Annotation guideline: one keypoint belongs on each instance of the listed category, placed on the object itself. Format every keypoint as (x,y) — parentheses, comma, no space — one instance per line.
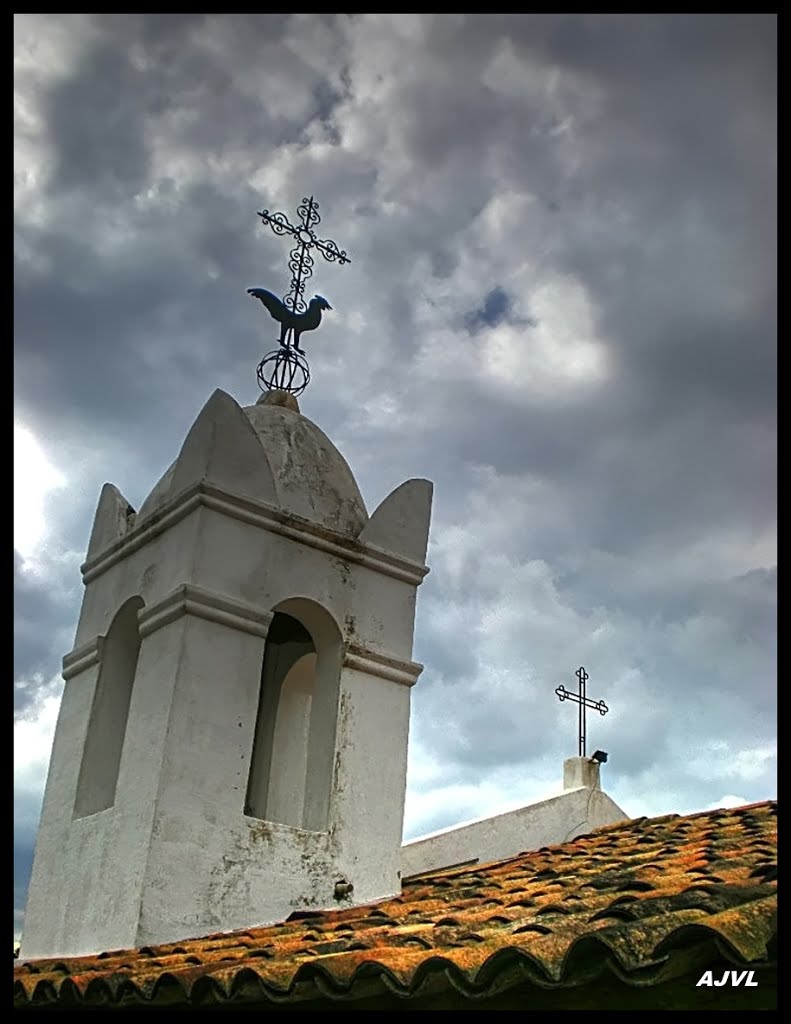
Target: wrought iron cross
(300,261)
(584,702)
(286,369)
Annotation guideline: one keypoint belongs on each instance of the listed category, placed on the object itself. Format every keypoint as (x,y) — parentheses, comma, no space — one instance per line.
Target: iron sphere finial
(284,369)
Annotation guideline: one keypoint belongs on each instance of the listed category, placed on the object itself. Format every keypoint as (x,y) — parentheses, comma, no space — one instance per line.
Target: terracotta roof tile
(629,898)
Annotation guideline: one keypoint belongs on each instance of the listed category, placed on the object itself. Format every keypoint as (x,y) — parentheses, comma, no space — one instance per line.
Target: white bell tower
(232,740)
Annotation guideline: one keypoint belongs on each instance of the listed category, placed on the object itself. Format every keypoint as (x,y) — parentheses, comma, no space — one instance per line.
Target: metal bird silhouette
(289,320)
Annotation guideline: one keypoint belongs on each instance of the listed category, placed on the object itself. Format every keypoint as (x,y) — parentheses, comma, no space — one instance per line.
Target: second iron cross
(584,702)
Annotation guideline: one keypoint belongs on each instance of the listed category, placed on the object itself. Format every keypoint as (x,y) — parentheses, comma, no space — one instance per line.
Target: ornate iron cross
(584,702)
(286,369)
(300,261)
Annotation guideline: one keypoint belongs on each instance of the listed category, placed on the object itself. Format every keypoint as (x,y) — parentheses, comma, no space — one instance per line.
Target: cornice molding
(385,666)
(188,599)
(256,513)
(83,657)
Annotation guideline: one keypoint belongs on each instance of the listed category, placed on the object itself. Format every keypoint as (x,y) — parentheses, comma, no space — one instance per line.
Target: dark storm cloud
(626,474)
(91,129)
(117,312)
(689,332)
(183,258)
(137,69)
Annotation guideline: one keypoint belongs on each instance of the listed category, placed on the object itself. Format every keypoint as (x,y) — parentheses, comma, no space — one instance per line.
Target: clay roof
(639,900)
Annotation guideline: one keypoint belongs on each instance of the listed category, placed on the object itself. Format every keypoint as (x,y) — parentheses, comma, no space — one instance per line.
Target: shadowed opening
(101,756)
(291,763)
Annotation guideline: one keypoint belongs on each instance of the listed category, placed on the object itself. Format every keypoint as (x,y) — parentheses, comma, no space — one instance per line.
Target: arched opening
(101,755)
(291,763)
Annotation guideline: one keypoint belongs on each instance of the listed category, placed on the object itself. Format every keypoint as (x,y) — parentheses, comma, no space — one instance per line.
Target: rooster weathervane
(286,368)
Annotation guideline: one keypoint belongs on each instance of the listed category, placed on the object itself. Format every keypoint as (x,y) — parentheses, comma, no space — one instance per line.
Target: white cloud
(34,478)
(434,801)
(33,737)
(728,801)
(717,760)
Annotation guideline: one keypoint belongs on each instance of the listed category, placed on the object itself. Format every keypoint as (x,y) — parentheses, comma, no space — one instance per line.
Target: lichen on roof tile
(632,899)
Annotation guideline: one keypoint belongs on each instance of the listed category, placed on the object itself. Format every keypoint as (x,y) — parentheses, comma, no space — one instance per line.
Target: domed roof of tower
(311,477)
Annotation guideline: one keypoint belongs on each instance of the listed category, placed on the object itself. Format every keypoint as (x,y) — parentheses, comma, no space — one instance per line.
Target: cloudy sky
(560,308)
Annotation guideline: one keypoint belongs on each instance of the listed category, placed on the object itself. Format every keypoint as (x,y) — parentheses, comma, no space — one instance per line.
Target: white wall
(555,820)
